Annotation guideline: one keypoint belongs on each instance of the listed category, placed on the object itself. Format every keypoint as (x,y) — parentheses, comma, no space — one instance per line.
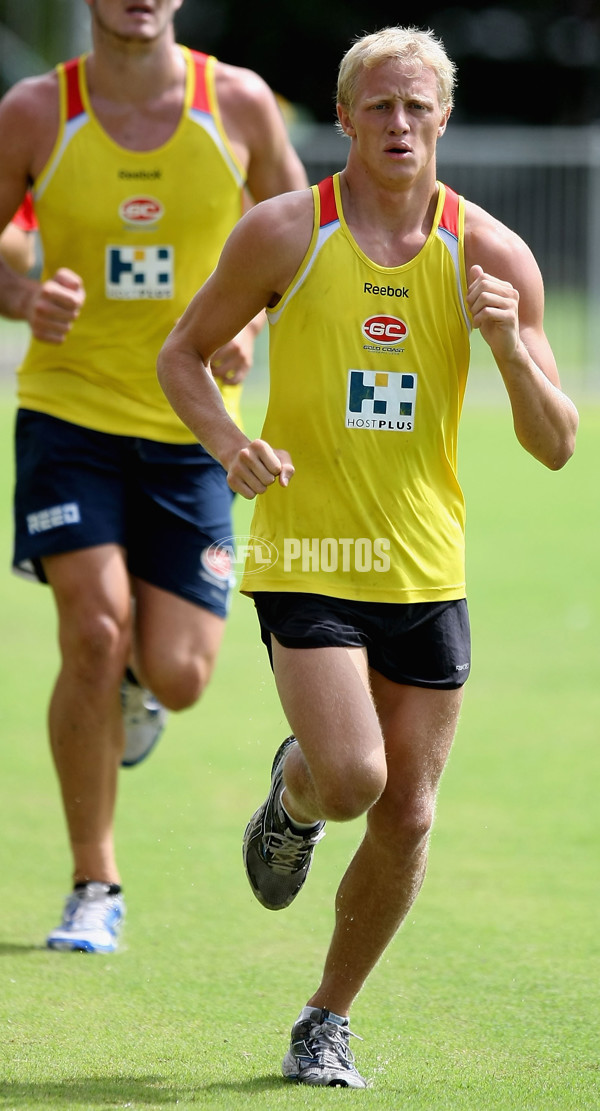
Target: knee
(178,684)
(95,643)
(403,825)
(351,790)
(415,825)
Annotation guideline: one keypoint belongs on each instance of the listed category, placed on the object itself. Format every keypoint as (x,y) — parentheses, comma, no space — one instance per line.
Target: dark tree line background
(536,62)
(527,62)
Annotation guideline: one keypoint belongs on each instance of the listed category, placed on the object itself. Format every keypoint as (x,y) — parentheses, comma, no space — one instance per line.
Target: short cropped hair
(407,44)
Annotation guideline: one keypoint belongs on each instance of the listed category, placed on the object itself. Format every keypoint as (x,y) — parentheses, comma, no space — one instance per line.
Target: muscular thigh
(169,630)
(418,725)
(410,690)
(92,593)
(326,699)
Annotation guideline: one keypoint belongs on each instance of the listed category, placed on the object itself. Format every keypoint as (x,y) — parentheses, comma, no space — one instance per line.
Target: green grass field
(488,998)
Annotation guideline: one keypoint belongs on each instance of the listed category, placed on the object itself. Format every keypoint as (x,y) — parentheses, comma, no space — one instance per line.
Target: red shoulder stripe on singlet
(329,211)
(200,100)
(74,101)
(449,217)
(24,217)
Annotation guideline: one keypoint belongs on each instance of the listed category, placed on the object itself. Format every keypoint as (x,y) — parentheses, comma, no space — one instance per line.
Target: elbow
(566,446)
(165,364)
(562,456)
(561,452)
(162,365)
(557,463)
(551,443)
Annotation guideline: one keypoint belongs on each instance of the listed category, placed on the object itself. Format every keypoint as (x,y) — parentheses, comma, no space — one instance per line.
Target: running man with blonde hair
(373,281)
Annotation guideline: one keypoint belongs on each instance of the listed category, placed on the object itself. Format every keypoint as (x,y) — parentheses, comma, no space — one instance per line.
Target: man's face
(133,20)
(395,120)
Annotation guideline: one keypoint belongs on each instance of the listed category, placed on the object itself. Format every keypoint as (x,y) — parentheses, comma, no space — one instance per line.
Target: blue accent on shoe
(92,920)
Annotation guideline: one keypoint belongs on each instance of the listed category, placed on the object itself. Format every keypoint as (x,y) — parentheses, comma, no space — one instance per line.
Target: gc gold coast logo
(141,211)
(385,330)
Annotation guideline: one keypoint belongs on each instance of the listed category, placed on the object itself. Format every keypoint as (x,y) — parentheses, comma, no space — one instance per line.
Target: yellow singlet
(144,230)
(368,373)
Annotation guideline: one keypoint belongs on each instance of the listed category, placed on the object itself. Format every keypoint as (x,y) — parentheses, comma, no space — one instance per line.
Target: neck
(129,69)
(389,222)
(407,207)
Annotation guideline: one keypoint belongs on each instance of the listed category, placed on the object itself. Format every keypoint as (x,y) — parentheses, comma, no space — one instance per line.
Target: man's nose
(398,119)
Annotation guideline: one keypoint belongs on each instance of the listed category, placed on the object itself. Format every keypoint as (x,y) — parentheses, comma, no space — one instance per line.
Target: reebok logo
(385,290)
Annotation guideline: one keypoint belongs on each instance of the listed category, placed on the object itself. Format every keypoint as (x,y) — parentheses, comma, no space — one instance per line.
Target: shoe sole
(144,756)
(79,947)
(295,1078)
(138,759)
(256,890)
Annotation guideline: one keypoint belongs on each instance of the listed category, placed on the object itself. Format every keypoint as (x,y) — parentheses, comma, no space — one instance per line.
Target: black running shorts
(425,644)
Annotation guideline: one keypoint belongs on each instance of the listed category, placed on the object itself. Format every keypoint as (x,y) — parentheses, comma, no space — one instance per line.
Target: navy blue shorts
(164,504)
(422,644)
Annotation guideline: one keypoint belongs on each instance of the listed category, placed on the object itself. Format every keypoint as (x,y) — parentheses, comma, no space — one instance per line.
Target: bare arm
(256,265)
(256,128)
(28,120)
(17,248)
(506,300)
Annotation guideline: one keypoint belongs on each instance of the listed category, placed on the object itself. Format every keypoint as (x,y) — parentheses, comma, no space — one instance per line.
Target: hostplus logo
(139,273)
(381,401)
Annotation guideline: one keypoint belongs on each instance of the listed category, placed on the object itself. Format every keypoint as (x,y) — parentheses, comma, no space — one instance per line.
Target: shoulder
(246,86)
(284,220)
(272,239)
(31,98)
(247,103)
(29,118)
(496,247)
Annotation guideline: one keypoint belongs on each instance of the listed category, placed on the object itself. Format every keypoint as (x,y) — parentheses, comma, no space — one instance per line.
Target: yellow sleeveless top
(144,230)
(368,373)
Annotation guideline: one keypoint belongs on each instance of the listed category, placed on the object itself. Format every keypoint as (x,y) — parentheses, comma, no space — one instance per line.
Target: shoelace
(329,1042)
(90,914)
(286,850)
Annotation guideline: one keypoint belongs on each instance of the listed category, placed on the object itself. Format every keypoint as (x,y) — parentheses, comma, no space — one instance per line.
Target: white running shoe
(91,922)
(319,1052)
(144,719)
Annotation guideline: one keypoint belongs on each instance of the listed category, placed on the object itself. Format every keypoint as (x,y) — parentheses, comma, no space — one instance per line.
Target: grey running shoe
(144,719)
(276,857)
(319,1052)
(91,922)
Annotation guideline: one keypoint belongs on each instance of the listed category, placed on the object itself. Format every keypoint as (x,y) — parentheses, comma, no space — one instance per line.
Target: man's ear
(345,121)
(444,122)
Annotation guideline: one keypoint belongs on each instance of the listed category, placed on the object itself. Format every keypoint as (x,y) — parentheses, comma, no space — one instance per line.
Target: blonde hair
(407,44)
